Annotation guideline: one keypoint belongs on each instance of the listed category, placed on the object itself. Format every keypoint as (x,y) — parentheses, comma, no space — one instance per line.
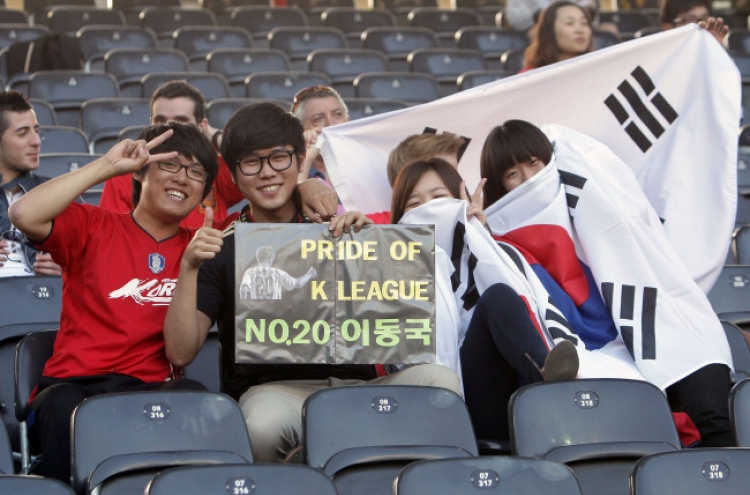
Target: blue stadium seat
(407,86)
(261,19)
(121,440)
(197,41)
(352,21)
(63,139)
(129,65)
(365,107)
(343,65)
(210,84)
(730,295)
(33,485)
(98,40)
(739,412)
(396,43)
(102,119)
(70,18)
(13,33)
(235,64)
(67,90)
(598,427)
(298,42)
(491,41)
(361,436)
(282,85)
(740,350)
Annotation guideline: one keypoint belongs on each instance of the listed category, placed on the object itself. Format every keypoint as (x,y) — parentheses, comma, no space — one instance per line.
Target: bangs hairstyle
(188,141)
(543,49)
(407,179)
(257,127)
(516,141)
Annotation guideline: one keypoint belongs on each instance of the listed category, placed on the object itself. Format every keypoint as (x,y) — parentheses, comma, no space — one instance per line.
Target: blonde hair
(421,147)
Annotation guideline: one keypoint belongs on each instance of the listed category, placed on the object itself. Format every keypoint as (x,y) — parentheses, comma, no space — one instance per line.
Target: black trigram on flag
(645,318)
(470,296)
(640,120)
(573,185)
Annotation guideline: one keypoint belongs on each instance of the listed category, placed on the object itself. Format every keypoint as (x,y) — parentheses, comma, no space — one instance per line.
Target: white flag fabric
(588,199)
(468,261)
(668,105)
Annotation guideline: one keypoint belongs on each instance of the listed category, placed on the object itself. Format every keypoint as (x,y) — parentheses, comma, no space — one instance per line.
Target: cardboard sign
(303,296)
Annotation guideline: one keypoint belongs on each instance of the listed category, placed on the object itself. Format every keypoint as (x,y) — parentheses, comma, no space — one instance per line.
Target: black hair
(187,140)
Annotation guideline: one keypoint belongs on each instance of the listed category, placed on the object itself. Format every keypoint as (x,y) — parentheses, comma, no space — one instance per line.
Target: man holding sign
(264,148)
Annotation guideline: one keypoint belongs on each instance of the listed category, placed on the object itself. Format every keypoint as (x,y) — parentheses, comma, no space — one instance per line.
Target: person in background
(20,145)
(676,13)
(563,31)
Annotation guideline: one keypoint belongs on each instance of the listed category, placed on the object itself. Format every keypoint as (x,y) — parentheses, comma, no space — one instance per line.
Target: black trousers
(496,356)
(53,407)
(704,396)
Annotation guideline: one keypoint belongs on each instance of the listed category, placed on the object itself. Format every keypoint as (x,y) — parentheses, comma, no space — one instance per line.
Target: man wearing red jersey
(119,272)
(180,101)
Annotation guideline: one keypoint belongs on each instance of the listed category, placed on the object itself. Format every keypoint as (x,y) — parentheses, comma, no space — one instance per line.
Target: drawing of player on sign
(265,282)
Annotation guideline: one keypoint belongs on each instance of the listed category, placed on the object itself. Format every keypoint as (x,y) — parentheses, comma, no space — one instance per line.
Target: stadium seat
(361,436)
(598,427)
(13,33)
(365,107)
(36,303)
(444,22)
(33,485)
(13,16)
(63,139)
(407,86)
(353,21)
(298,42)
(6,454)
(445,64)
(205,366)
(121,440)
(397,43)
(491,41)
(129,65)
(627,22)
(132,8)
(512,60)
(743,168)
(255,479)
(603,39)
(70,18)
(235,64)
(38,9)
(739,412)
(474,78)
(197,41)
(499,475)
(45,113)
(696,471)
(102,119)
(131,132)
(343,65)
(261,19)
(282,85)
(32,352)
(740,246)
(164,21)
(740,350)
(56,164)
(210,84)
(738,40)
(647,31)
(730,295)
(67,90)
(742,61)
(98,40)
(219,110)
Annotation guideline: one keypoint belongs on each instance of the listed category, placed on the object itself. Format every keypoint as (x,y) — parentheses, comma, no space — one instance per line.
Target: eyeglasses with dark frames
(305,93)
(279,160)
(195,171)
(18,245)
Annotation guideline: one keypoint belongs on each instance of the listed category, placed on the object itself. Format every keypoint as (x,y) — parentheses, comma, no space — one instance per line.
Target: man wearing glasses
(182,102)
(120,272)
(264,147)
(677,13)
(19,157)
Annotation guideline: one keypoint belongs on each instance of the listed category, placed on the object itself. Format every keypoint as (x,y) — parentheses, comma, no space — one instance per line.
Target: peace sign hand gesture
(474,204)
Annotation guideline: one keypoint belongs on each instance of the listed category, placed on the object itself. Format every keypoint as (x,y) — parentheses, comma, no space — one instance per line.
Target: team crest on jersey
(156,262)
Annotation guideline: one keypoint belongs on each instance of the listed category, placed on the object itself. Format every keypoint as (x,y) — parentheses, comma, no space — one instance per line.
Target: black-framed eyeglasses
(305,93)
(279,160)
(18,246)
(195,171)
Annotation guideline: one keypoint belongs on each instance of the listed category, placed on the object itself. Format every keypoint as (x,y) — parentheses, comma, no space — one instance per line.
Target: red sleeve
(224,186)
(70,230)
(382,218)
(118,194)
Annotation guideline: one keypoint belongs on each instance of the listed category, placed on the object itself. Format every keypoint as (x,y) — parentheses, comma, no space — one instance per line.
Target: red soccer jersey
(117,285)
(118,193)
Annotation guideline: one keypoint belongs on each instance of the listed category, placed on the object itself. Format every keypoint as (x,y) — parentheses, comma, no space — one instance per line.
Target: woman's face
(521,172)
(572,32)
(430,186)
